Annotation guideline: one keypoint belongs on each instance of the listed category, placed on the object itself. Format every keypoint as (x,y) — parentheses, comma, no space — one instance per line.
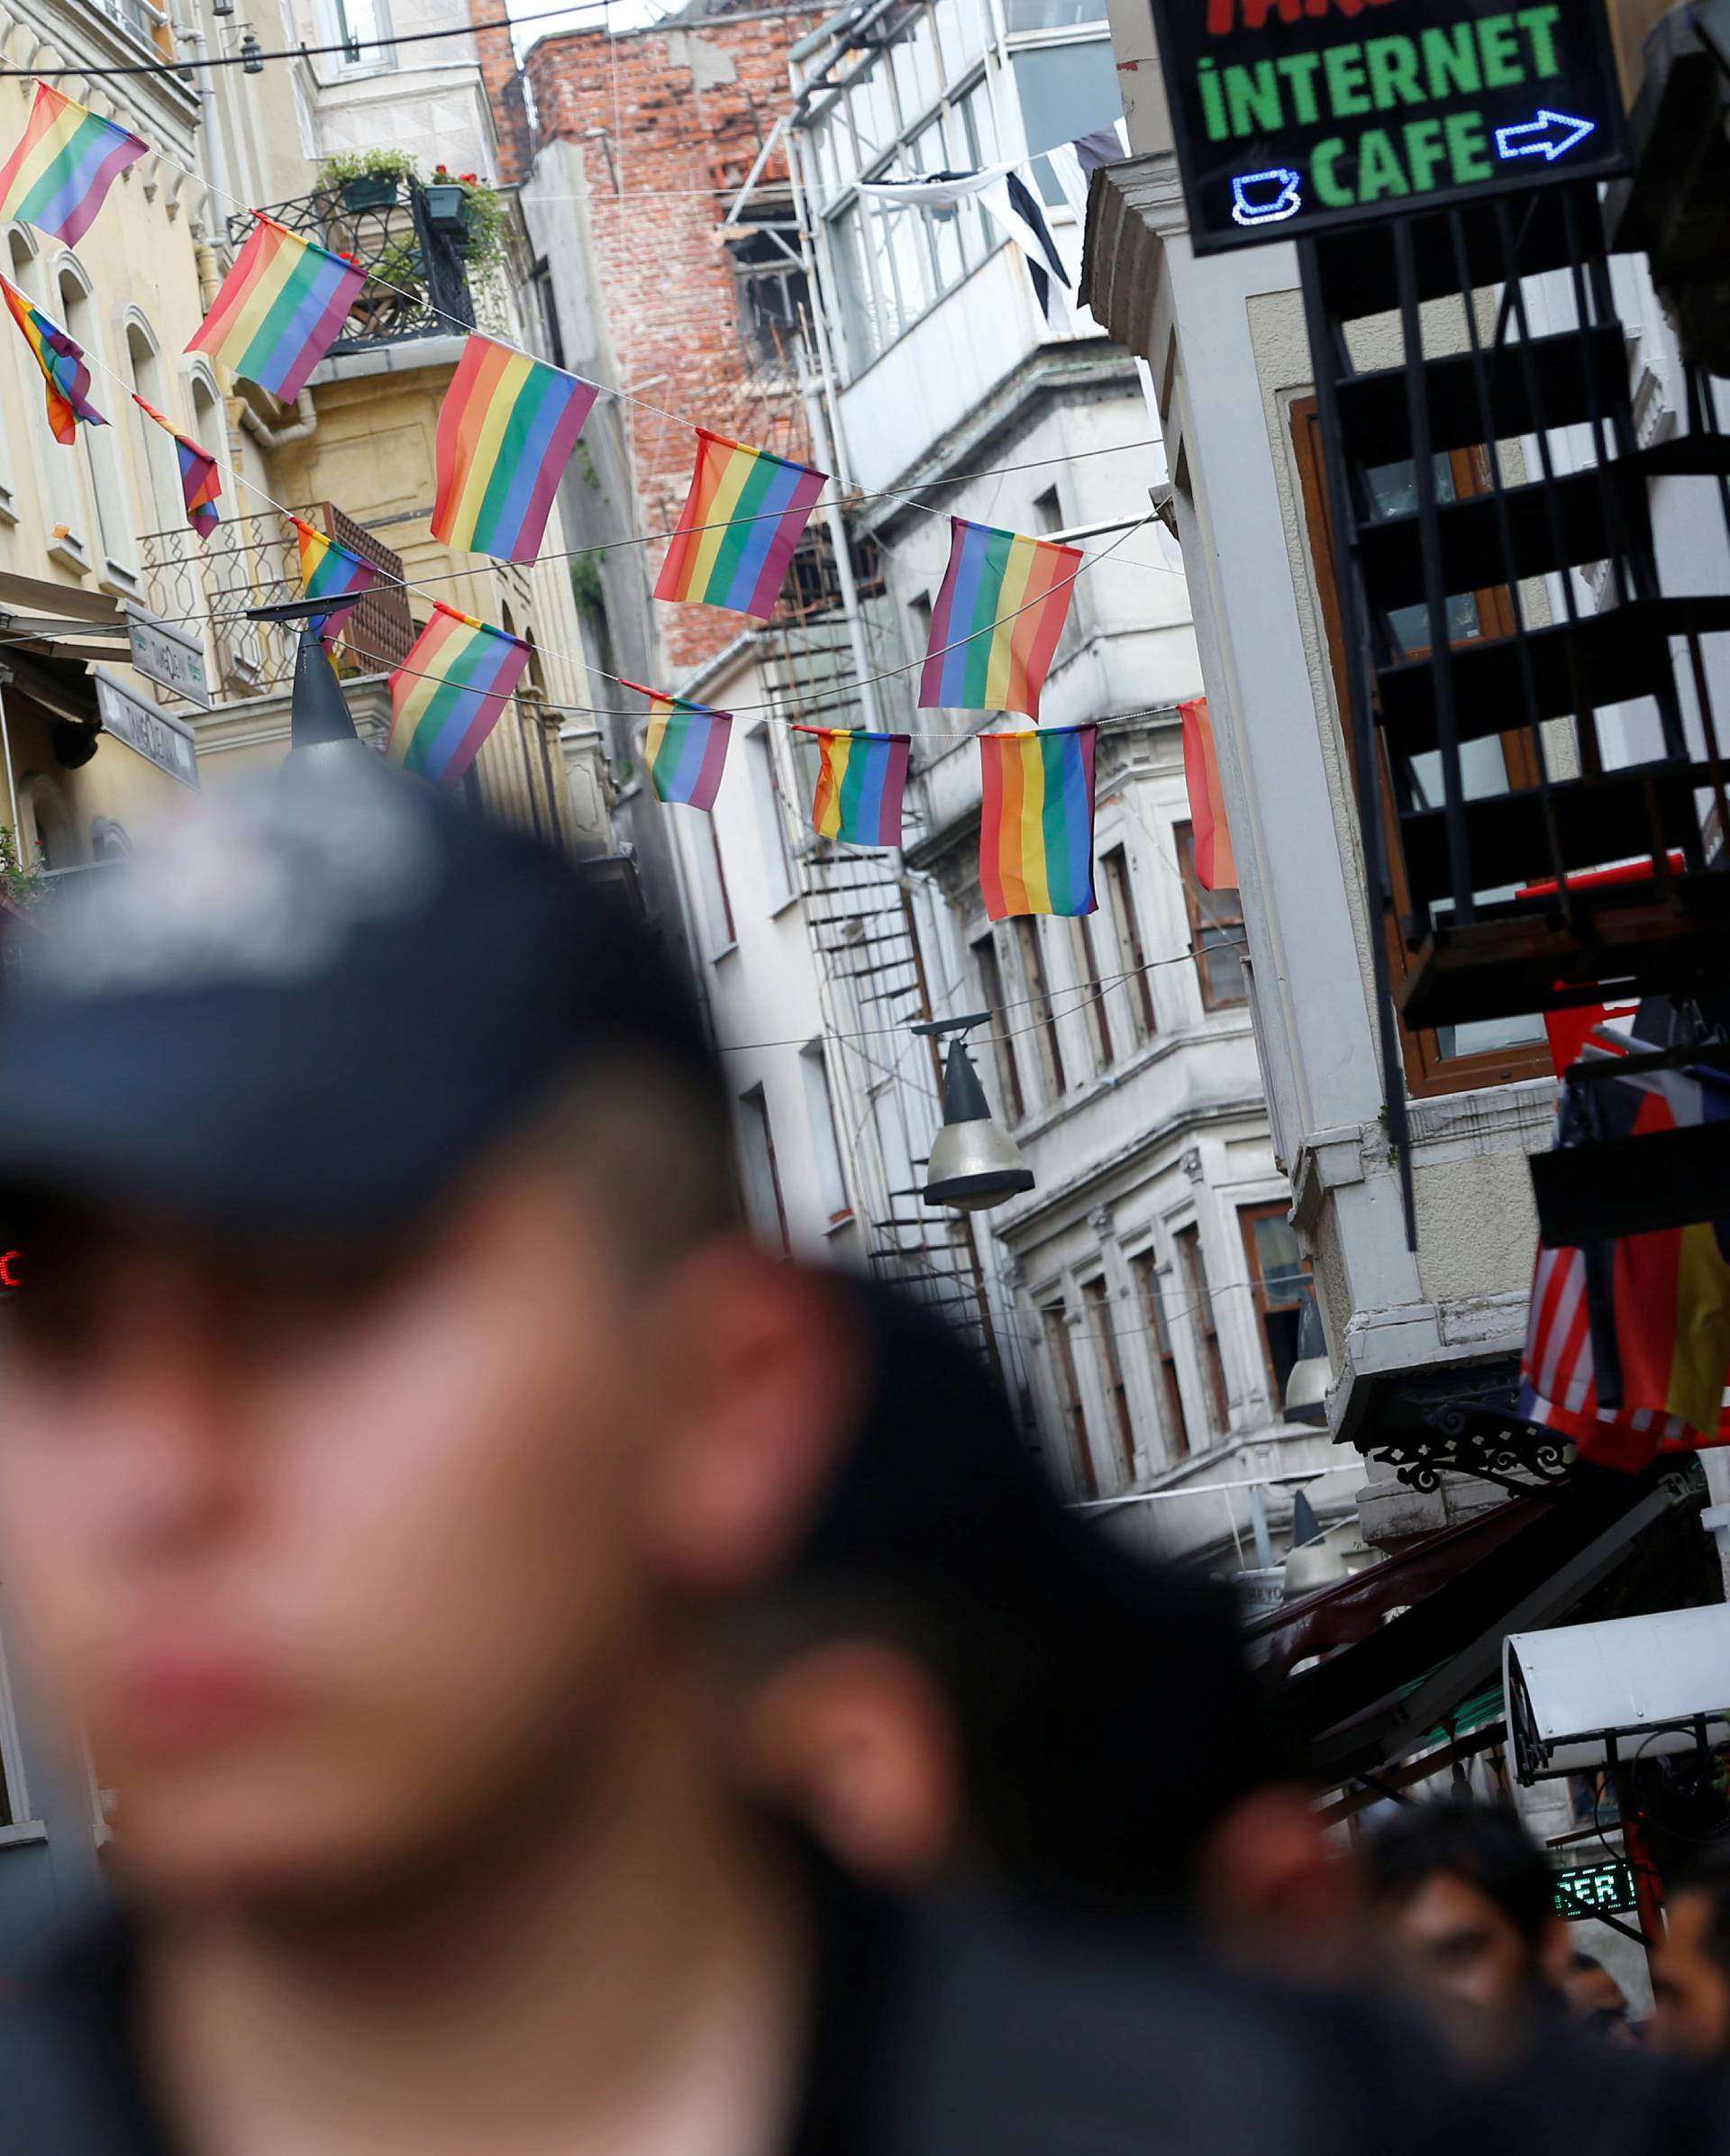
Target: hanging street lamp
(974,1162)
(320,729)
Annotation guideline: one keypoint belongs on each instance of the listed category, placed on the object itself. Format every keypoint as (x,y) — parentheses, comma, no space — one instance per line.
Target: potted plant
(469,213)
(447,205)
(368,179)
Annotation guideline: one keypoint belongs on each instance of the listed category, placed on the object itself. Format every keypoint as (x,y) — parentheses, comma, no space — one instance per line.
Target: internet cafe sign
(1297,116)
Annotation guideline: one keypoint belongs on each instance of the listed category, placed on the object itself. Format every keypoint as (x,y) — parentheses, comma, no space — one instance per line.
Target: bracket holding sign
(1295,117)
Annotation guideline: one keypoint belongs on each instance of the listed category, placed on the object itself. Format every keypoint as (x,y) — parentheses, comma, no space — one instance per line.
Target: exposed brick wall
(504,93)
(682,111)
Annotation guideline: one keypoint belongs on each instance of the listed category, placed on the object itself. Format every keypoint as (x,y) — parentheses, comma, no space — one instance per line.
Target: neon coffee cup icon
(1267,197)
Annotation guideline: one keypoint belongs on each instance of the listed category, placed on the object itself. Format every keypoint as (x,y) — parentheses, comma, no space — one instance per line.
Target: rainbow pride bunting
(446,697)
(280,308)
(506,429)
(330,572)
(67,160)
(997,620)
(199,482)
(860,783)
(64,372)
(685,748)
(1037,821)
(740,522)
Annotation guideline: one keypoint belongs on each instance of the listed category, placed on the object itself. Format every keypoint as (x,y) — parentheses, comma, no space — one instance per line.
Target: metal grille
(418,282)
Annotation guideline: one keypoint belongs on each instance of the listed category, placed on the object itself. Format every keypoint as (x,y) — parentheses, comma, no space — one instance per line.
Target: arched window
(56,471)
(114,550)
(48,837)
(156,462)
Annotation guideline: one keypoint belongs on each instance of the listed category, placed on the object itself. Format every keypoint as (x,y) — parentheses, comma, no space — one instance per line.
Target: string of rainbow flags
(508,428)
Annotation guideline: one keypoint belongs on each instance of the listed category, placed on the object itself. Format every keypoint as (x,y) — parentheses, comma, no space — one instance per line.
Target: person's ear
(1270,1889)
(858,1741)
(759,1381)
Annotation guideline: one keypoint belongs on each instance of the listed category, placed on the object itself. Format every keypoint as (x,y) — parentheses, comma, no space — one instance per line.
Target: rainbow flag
(997,620)
(685,748)
(330,572)
(280,308)
(64,372)
(741,520)
(65,161)
(506,429)
(446,697)
(1037,821)
(860,783)
(199,482)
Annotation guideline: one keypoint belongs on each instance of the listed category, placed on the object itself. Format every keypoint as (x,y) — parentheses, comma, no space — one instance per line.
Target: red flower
(467,179)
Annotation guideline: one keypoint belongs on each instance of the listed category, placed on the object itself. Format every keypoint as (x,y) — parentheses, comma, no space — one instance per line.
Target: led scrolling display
(1299,116)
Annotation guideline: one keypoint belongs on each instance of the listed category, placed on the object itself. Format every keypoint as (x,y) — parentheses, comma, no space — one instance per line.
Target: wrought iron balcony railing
(417,284)
(249,562)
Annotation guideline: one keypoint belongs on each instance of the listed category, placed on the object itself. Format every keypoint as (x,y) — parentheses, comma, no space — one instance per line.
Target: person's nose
(168,1443)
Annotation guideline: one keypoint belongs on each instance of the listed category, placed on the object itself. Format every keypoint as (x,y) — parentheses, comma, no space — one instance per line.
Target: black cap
(308,1009)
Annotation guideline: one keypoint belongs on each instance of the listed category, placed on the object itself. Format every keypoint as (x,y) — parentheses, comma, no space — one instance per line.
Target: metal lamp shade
(974,1164)
(321,731)
(1311,1374)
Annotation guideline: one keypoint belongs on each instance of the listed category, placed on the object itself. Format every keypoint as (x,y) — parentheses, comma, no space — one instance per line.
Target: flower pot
(447,210)
(370,191)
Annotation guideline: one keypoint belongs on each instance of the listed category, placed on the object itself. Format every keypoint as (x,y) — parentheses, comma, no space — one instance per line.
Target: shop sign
(167,656)
(166,742)
(1595,1889)
(1300,117)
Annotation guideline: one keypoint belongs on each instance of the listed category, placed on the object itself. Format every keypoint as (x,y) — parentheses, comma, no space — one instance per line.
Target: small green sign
(1595,1889)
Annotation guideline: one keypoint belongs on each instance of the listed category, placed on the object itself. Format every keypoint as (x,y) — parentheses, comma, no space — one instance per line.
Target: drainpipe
(304,423)
(209,133)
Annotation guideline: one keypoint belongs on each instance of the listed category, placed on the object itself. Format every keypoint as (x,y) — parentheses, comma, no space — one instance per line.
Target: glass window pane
(916,80)
(961,36)
(859,312)
(1052,15)
(1277,1258)
(1066,91)
(873,113)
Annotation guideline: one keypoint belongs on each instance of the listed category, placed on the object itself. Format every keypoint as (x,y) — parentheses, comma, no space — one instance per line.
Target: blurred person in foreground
(1596,1999)
(395,1418)
(952,1680)
(1466,1903)
(1691,1966)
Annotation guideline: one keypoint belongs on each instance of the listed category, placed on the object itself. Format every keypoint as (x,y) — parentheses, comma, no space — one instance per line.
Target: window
(1066,91)
(1047,521)
(358,25)
(1068,1393)
(114,521)
(1280,1280)
(1087,972)
(993,999)
(712,880)
(1446,1058)
(1096,1295)
(762,1174)
(770,281)
(778,866)
(168,511)
(1204,1326)
(919,609)
(1037,1011)
(1131,960)
(1145,1267)
(1054,14)
(825,1138)
(1216,929)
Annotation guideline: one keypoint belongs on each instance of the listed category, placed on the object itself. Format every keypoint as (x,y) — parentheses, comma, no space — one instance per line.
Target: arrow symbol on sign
(1549,136)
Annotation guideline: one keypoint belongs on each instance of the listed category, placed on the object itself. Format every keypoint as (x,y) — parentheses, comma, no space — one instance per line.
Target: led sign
(1595,1889)
(1296,117)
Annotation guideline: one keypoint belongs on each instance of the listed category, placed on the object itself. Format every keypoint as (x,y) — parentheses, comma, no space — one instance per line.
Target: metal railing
(417,282)
(248,561)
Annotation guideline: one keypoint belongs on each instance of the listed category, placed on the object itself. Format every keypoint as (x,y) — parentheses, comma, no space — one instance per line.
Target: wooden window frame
(1144,1269)
(1120,890)
(1203,1324)
(1247,1216)
(1097,1299)
(987,961)
(1088,967)
(1067,1383)
(1041,1012)
(1428,1072)
(1183,841)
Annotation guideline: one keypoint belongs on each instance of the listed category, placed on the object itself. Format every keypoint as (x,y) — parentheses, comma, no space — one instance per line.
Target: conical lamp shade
(974,1164)
(320,728)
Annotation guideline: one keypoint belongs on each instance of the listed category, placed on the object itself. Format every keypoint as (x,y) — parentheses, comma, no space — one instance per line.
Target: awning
(61,620)
(1383,1697)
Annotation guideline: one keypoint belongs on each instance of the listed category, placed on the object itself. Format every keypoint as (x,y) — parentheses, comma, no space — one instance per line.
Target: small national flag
(1627,1344)
(64,372)
(996,621)
(280,308)
(506,429)
(685,748)
(330,572)
(446,697)
(199,481)
(741,520)
(65,161)
(1216,863)
(860,783)
(1037,821)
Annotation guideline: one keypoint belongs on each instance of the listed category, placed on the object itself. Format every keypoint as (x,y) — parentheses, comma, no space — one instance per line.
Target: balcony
(417,282)
(207,585)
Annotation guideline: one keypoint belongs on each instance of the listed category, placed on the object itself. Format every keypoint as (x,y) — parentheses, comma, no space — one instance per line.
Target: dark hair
(1710,1875)
(1482,1844)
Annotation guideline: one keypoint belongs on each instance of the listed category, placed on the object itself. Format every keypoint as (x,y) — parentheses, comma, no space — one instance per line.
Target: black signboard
(1596,1890)
(1296,117)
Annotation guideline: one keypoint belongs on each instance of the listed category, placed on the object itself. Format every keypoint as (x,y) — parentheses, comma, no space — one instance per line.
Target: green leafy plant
(368,164)
(485,218)
(25,884)
(586,583)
